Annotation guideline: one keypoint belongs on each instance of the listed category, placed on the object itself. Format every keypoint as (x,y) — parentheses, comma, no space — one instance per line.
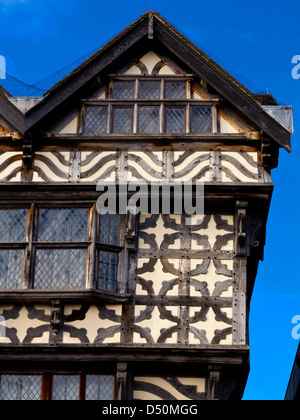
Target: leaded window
(59,249)
(57,267)
(149,106)
(149,89)
(148,119)
(13,226)
(123,90)
(201,119)
(108,251)
(20,387)
(95,119)
(175,120)
(57,387)
(122,119)
(175,90)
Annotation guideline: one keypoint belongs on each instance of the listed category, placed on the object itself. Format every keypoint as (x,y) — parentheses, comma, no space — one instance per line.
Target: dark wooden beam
(138,353)
(65,296)
(11,114)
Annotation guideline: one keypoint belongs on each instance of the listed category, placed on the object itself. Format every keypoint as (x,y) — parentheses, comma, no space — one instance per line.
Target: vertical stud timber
(240,277)
(130,255)
(184,278)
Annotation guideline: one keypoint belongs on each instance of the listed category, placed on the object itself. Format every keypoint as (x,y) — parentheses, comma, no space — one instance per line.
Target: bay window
(51,248)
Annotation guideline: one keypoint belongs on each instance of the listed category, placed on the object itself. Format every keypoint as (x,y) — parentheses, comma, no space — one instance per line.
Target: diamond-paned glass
(201,119)
(63,225)
(96,119)
(20,388)
(175,120)
(11,269)
(149,89)
(175,90)
(60,269)
(109,229)
(107,274)
(122,122)
(65,388)
(148,119)
(99,388)
(123,90)
(13,225)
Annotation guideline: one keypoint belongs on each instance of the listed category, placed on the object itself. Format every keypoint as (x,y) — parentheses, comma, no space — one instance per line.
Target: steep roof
(151,27)
(10,116)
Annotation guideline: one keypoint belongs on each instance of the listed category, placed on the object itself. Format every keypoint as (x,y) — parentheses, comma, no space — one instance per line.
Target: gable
(151,29)
(160,69)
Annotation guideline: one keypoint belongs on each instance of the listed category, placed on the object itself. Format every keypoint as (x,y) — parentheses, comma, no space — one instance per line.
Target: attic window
(149,106)
(149,89)
(201,119)
(123,90)
(175,90)
(13,225)
(95,119)
(122,119)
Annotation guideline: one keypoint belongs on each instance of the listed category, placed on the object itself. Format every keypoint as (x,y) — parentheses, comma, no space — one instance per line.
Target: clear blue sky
(258,40)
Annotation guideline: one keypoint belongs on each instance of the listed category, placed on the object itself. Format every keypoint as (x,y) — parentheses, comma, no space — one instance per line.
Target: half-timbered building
(124,306)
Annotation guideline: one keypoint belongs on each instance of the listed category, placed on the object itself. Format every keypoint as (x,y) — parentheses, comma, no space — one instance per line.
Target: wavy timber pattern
(10,166)
(149,166)
(169,388)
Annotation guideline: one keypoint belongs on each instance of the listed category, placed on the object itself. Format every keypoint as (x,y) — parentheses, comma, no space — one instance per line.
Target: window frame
(46,391)
(117,249)
(117,106)
(135,103)
(184,119)
(11,246)
(91,245)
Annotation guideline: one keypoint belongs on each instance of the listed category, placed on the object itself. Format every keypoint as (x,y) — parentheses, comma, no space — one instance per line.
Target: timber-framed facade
(133,306)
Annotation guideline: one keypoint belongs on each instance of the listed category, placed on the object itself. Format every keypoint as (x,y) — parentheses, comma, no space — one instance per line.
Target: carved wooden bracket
(269,154)
(122,381)
(241,243)
(214,385)
(131,232)
(56,321)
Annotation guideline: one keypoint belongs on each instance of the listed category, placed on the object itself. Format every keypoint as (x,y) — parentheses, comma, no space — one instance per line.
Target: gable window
(175,120)
(201,119)
(175,90)
(122,119)
(95,119)
(123,90)
(58,387)
(149,106)
(149,89)
(148,119)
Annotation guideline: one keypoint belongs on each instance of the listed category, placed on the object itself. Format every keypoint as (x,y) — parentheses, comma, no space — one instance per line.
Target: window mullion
(91,265)
(26,278)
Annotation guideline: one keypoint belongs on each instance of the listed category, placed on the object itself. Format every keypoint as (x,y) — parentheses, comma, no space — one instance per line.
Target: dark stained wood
(184,301)
(66,296)
(11,114)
